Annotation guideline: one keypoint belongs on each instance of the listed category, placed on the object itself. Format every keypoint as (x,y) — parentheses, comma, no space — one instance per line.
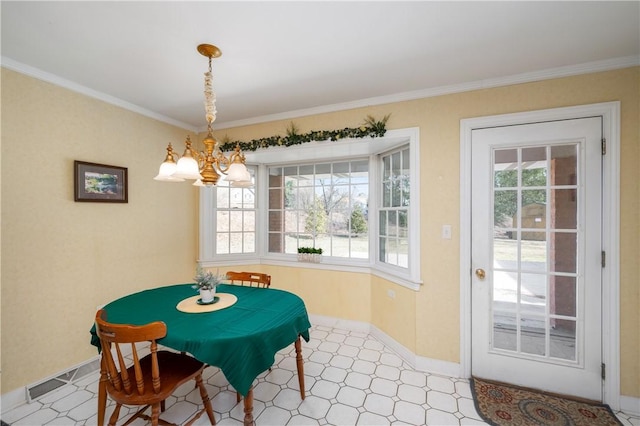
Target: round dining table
(241,338)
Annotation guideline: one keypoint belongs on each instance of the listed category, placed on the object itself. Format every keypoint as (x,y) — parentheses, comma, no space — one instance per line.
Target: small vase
(207,295)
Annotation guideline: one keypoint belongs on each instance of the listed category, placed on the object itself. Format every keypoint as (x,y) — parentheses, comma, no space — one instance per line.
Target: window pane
(305,177)
(564,209)
(383,249)
(533,293)
(235,214)
(235,198)
(403,225)
(564,160)
(505,290)
(222,197)
(396,169)
(249,242)
(383,223)
(505,207)
(386,194)
(222,243)
(275,198)
(405,163)
(222,221)
(396,193)
(235,242)
(235,221)
(394,212)
(275,177)
(533,336)
(392,220)
(505,172)
(249,221)
(563,252)
(403,253)
(563,296)
(386,168)
(504,331)
(324,206)
(563,340)
(534,166)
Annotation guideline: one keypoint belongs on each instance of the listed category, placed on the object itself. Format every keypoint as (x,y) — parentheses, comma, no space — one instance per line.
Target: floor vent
(39,389)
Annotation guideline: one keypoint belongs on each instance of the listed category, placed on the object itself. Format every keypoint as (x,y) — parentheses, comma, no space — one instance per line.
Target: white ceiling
(283,59)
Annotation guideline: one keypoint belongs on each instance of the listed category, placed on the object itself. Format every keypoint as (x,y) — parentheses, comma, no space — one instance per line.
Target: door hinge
(604,146)
(603,258)
(603,371)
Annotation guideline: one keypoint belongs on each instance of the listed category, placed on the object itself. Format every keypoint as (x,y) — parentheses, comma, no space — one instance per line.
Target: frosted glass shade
(237,173)
(187,168)
(245,182)
(166,171)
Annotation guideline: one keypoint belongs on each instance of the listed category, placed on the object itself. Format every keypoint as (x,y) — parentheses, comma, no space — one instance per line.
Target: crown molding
(566,71)
(67,84)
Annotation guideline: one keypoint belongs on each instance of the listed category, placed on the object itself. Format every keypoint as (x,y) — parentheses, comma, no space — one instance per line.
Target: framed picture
(99,183)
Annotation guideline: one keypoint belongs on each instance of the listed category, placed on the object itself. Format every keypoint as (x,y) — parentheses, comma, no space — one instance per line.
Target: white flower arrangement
(207,280)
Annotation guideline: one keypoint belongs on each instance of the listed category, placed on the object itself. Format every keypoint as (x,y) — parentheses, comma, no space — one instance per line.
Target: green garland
(370,128)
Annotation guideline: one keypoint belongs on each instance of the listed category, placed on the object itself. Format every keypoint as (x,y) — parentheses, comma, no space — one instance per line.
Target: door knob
(480,273)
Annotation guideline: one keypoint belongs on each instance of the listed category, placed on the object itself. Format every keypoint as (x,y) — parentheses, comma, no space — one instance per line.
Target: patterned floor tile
(351,378)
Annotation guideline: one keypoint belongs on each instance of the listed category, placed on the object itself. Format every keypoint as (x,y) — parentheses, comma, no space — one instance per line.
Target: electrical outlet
(446,232)
(391,294)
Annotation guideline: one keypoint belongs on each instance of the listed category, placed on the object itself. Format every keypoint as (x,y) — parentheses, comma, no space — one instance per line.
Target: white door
(536,255)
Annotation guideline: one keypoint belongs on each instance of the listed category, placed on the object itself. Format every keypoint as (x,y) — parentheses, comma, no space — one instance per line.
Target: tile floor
(350,378)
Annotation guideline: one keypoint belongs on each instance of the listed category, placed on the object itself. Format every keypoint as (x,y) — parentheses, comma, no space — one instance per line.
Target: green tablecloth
(241,339)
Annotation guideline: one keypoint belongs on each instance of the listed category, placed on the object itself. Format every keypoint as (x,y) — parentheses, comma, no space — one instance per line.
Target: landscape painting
(95,182)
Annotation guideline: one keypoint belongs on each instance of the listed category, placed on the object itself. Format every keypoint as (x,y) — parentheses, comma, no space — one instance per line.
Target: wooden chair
(150,379)
(250,278)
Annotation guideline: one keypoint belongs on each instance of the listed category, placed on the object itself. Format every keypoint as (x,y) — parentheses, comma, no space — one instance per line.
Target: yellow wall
(85,254)
(435,333)
(60,258)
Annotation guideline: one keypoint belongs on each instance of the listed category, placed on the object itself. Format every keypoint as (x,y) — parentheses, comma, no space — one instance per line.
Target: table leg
(300,366)
(248,408)
(102,393)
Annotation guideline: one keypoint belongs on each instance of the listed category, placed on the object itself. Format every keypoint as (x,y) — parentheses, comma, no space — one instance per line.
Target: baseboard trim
(23,395)
(325,321)
(420,363)
(630,405)
(13,399)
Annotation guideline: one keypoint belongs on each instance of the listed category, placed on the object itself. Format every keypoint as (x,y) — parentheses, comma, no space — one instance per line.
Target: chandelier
(205,167)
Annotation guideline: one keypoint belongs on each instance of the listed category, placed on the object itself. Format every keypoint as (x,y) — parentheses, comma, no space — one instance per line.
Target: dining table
(240,333)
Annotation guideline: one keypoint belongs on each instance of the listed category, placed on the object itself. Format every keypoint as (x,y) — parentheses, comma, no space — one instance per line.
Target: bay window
(357,200)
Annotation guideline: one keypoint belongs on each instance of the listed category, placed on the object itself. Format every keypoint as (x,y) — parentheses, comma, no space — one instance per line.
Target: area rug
(504,405)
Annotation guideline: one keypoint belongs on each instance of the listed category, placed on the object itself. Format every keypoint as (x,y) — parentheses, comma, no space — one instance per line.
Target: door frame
(610,113)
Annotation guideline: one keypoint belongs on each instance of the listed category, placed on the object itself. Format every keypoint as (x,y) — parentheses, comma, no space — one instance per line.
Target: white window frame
(319,152)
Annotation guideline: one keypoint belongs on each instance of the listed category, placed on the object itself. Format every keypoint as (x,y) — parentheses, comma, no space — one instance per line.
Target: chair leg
(102,392)
(205,399)
(114,416)
(155,414)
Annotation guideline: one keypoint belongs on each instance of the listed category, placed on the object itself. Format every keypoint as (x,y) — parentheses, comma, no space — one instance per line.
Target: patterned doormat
(502,405)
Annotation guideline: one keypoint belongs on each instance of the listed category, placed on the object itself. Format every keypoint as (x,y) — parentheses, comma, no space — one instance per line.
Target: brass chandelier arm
(205,167)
